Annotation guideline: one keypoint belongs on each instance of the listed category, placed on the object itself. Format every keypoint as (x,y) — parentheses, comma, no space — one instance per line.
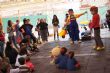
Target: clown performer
(95,25)
(73,25)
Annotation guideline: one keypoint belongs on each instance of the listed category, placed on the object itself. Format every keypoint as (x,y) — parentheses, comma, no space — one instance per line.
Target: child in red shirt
(95,24)
(29,64)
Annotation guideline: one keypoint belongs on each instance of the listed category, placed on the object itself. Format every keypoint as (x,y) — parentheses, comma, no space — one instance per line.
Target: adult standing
(10,31)
(2,40)
(55,22)
(45,21)
(39,36)
(73,25)
(26,29)
(19,35)
(43,27)
(108,18)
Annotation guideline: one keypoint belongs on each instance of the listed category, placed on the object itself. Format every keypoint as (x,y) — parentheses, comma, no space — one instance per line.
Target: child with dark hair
(61,60)
(29,64)
(22,67)
(72,64)
(21,61)
(73,25)
(22,53)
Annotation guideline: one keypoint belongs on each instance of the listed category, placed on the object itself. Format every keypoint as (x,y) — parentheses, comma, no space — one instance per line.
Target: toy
(54,53)
(86,35)
(63,32)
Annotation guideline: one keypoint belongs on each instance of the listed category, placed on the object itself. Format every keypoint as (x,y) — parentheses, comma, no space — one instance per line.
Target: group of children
(73,29)
(64,60)
(19,61)
(25,66)
(16,61)
(67,61)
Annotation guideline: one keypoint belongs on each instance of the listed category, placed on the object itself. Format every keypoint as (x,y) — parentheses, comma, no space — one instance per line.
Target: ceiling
(29,7)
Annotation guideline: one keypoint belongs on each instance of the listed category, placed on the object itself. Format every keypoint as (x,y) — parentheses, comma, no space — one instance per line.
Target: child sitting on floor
(61,60)
(31,47)
(23,53)
(23,67)
(5,66)
(72,63)
(29,64)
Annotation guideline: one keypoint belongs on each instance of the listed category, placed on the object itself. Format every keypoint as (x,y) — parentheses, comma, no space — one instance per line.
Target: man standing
(26,28)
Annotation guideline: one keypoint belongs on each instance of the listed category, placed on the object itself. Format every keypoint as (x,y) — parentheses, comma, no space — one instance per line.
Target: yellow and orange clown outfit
(73,28)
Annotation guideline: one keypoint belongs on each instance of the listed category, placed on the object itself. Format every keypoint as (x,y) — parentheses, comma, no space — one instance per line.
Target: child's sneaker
(71,42)
(100,48)
(79,41)
(52,62)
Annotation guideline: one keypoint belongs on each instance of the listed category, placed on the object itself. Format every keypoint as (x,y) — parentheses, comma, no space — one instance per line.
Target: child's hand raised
(85,12)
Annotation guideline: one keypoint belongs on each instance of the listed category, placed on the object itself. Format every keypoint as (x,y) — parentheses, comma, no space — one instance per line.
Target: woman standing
(19,35)
(10,32)
(55,22)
